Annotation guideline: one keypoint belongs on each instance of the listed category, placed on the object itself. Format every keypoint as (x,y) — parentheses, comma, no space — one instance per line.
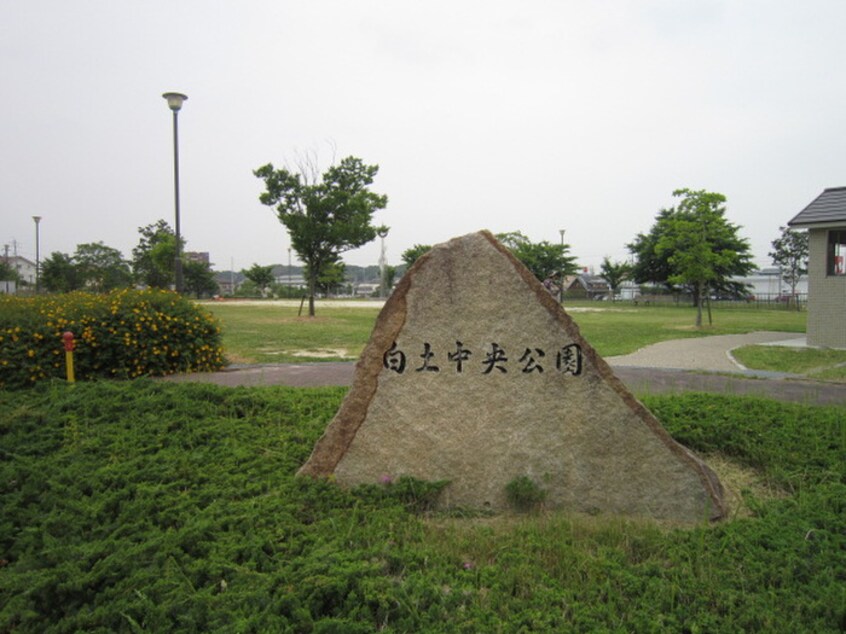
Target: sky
(535,116)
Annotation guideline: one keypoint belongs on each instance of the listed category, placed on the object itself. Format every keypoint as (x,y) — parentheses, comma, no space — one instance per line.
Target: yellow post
(69,346)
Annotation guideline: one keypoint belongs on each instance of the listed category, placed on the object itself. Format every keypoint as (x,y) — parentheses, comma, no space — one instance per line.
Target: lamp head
(174,100)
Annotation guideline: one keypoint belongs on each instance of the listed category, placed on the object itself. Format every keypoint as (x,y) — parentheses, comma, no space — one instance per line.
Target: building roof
(827,209)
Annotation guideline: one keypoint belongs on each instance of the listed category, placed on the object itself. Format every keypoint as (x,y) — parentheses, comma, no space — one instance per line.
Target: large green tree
(790,253)
(199,279)
(326,214)
(693,245)
(60,274)
(102,268)
(153,257)
(546,260)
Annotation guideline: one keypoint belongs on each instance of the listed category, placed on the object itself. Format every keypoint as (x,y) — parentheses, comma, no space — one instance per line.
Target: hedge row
(123,334)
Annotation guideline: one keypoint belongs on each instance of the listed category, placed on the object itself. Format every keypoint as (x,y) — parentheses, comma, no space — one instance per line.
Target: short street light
(174,102)
(561,273)
(37,220)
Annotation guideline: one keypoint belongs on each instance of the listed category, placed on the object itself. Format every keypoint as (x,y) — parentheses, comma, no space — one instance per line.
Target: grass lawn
(257,332)
(273,333)
(149,506)
(814,363)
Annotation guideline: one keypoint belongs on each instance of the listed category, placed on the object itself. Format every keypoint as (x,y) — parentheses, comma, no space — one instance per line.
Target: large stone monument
(474,374)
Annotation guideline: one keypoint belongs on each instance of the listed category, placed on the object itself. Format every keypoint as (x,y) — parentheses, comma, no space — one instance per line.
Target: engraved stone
(474,374)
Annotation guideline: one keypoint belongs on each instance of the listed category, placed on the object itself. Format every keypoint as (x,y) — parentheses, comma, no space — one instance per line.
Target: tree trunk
(699,307)
(312,284)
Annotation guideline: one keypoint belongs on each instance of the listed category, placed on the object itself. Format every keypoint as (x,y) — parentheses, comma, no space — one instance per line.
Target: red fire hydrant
(67,338)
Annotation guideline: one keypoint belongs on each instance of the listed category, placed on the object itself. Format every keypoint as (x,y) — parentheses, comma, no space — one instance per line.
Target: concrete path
(697,364)
(711,354)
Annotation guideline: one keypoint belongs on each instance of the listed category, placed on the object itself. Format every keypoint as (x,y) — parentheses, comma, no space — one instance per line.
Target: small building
(825,220)
(197,256)
(586,286)
(25,268)
(768,285)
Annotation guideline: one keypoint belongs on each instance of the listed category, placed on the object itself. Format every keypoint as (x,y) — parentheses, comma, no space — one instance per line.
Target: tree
(59,274)
(325,215)
(701,249)
(790,253)
(261,276)
(615,273)
(8,272)
(153,257)
(199,279)
(650,266)
(545,259)
(390,276)
(101,268)
(331,278)
(411,255)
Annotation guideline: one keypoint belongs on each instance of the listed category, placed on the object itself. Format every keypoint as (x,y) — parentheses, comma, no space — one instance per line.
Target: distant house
(586,286)
(228,281)
(825,220)
(25,268)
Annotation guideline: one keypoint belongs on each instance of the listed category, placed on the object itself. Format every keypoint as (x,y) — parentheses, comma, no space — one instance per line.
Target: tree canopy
(412,254)
(692,245)
(94,266)
(59,274)
(545,259)
(101,268)
(153,257)
(326,214)
(199,278)
(261,276)
(615,273)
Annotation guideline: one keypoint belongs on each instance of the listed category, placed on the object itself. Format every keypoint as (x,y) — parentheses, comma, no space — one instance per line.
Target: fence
(762,300)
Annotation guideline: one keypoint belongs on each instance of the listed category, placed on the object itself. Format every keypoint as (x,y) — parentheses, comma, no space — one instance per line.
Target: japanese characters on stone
(493,359)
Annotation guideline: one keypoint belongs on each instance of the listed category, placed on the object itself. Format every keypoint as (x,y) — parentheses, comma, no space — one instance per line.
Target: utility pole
(561,273)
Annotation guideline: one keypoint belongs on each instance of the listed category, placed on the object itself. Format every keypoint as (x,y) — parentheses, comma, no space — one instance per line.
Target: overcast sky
(503,115)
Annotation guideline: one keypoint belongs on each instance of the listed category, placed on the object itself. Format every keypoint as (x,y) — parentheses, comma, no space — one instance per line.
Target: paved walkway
(700,364)
(711,354)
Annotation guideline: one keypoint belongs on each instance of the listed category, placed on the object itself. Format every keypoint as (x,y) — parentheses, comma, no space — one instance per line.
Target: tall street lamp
(382,233)
(37,220)
(561,273)
(174,102)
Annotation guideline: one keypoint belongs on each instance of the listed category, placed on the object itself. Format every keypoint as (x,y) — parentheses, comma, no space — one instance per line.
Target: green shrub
(524,494)
(417,496)
(123,334)
(162,507)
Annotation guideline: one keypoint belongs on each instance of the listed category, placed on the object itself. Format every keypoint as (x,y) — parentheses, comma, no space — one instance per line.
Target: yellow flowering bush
(123,334)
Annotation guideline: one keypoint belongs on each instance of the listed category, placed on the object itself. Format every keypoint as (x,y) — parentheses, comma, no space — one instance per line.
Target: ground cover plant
(150,506)
(814,363)
(122,334)
(273,333)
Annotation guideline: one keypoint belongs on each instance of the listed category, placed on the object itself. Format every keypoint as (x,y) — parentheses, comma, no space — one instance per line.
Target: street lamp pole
(382,233)
(174,102)
(37,220)
(561,273)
